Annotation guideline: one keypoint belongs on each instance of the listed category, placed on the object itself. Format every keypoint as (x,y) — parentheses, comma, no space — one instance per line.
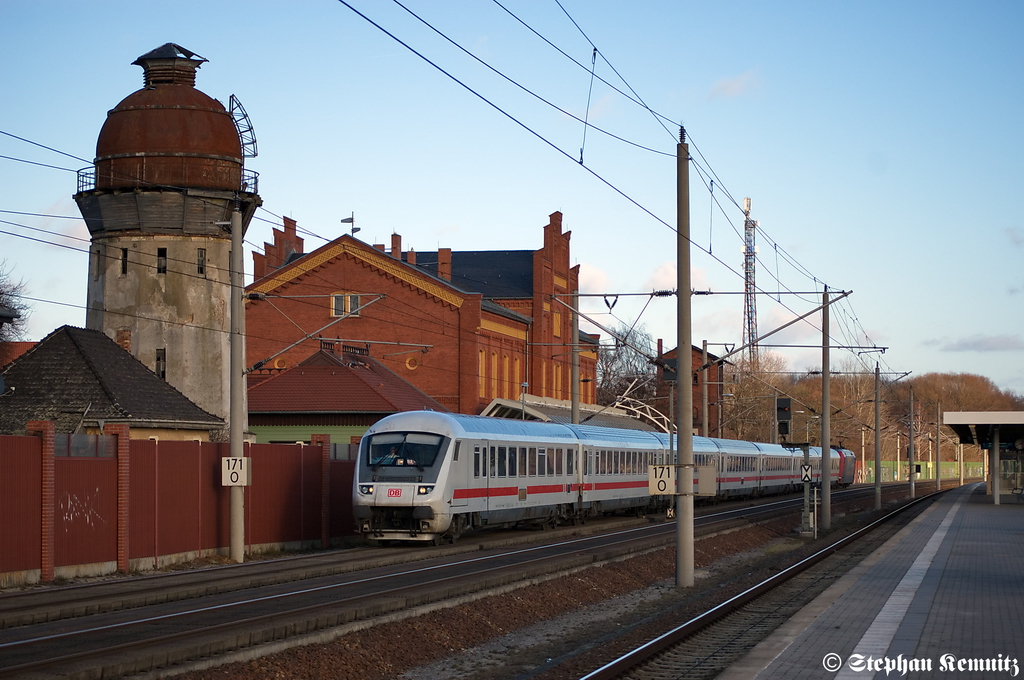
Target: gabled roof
(332,383)
(75,375)
(346,245)
(496,274)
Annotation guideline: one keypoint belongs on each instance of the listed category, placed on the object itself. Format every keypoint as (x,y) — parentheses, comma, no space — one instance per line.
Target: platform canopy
(977,427)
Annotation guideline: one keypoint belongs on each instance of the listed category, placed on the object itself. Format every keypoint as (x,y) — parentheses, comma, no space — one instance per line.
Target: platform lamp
(351,219)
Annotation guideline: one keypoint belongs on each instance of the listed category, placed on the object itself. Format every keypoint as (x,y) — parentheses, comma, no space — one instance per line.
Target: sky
(879,143)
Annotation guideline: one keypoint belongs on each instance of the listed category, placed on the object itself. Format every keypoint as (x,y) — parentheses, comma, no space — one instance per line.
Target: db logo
(394,493)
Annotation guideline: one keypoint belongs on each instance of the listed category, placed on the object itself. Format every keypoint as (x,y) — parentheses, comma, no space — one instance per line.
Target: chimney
(396,246)
(444,263)
(379,246)
(411,256)
(124,339)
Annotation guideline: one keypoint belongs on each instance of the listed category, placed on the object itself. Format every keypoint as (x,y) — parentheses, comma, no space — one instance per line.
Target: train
(427,476)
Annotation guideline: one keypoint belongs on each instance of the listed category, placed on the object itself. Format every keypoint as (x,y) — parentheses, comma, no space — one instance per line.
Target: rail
(617,667)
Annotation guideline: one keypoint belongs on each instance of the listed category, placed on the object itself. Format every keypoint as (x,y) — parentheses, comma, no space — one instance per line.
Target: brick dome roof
(169,134)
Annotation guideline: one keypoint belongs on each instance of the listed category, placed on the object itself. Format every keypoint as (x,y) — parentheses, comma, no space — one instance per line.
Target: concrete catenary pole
(994,466)
(236,428)
(826,420)
(910,445)
(938,445)
(878,438)
(704,390)
(684,369)
(575,371)
(960,461)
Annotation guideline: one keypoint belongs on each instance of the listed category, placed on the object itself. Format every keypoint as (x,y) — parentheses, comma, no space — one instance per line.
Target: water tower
(158,201)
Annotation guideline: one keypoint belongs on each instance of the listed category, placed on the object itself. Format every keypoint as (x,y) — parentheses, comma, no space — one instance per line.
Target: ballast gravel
(557,630)
(519,634)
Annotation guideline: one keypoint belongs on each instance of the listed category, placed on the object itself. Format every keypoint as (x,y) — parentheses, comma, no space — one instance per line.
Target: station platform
(943,598)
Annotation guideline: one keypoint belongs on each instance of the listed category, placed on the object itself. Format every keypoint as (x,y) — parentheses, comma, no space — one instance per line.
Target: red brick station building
(464,327)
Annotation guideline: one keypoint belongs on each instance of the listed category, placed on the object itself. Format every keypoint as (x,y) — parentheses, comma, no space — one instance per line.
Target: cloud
(1016,235)
(592,279)
(664,278)
(984,343)
(730,88)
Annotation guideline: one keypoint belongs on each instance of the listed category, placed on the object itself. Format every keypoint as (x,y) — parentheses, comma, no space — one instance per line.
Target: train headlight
(366,489)
(424,489)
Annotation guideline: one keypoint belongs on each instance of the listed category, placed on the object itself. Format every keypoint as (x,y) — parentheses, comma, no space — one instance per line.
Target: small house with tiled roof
(464,327)
(82,380)
(337,393)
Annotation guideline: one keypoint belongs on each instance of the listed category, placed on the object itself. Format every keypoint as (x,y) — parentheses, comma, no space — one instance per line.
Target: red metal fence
(64,511)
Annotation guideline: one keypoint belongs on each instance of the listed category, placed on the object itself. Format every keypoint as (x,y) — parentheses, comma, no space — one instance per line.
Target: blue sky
(878,141)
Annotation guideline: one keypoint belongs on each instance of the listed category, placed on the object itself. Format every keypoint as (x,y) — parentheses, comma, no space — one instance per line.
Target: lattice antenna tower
(749,296)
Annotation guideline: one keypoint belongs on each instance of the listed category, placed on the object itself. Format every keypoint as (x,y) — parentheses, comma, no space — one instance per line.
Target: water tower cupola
(169,133)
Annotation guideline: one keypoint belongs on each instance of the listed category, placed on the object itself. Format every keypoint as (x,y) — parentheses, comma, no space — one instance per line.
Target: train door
(760,469)
(576,479)
(743,467)
(478,476)
(459,473)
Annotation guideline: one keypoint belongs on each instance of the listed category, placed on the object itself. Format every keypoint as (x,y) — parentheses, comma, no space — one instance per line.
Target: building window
(481,371)
(344,304)
(506,378)
(161,260)
(161,363)
(124,262)
(494,375)
(201,261)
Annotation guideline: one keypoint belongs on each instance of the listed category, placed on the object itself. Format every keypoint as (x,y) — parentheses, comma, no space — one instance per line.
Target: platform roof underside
(978,427)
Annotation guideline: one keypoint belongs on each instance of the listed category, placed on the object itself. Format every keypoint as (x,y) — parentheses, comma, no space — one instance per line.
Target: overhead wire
(582,66)
(709,170)
(637,99)
(505,77)
(615,71)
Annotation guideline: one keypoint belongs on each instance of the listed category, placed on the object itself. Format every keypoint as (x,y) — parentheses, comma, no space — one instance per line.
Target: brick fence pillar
(324,442)
(45,430)
(121,431)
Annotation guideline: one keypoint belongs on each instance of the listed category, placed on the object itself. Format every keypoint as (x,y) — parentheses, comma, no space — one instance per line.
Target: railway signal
(783,414)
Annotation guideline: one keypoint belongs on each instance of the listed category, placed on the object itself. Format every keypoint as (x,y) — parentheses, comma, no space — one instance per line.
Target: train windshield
(404,449)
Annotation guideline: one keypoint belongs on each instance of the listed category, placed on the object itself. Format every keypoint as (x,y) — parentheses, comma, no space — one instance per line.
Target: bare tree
(619,365)
(11,292)
(753,385)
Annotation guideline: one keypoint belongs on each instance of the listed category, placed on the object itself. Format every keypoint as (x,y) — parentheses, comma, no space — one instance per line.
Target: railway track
(707,644)
(134,625)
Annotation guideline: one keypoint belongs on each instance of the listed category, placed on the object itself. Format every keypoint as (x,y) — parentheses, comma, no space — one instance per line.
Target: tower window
(161,363)
(344,304)
(161,260)
(201,261)
(124,261)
